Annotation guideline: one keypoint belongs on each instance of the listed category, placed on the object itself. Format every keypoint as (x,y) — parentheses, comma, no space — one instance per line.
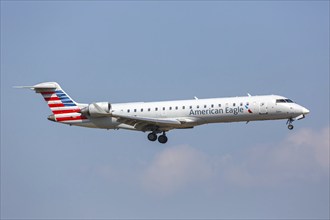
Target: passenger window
(176,108)
(156,109)
(241,104)
(163,108)
(170,108)
(183,107)
(190,107)
(148,109)
(197,106)
(205,106)
(141,109)
(212,106)
(234,104)
(219,105)
(128,110)
(134,110)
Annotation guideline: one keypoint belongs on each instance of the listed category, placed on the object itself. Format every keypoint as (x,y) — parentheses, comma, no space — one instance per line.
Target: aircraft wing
(143,123)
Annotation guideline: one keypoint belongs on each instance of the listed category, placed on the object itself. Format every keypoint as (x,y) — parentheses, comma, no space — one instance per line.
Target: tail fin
(64,108)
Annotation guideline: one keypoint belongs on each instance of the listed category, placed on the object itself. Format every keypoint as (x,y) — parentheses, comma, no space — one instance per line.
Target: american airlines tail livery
(161,117)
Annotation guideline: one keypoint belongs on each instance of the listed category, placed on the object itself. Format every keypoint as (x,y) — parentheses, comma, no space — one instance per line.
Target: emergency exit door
(263,108)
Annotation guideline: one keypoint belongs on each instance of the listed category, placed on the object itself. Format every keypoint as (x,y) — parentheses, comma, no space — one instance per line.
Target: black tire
(162,139)
(290,127)
(152,136)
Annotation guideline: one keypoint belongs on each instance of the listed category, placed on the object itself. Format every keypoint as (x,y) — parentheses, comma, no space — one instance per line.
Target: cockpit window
(289,100)
(284,101)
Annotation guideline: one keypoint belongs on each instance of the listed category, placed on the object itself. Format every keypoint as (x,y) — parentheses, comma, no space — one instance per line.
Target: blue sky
(149,51)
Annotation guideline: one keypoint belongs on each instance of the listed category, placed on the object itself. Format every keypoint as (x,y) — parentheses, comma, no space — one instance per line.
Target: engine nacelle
(98,109)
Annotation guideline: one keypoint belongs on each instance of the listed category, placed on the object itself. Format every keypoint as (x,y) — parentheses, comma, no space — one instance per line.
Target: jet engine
(98,109)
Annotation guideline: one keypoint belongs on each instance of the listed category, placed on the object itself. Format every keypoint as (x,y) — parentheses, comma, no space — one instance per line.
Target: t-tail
(64,108)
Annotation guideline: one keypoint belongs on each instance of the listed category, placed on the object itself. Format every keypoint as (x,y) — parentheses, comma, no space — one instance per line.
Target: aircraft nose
(305,111)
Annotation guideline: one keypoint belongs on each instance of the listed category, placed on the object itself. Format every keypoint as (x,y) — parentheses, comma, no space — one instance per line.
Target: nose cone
(305,111)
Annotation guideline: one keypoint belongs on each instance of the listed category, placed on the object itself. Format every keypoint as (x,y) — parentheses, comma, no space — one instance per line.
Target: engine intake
(98,109)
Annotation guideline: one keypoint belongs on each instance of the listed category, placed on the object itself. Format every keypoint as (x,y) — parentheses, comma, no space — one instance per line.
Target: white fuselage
(160,117)
(201,111)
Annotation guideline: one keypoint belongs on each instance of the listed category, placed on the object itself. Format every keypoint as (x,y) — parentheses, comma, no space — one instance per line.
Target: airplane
(161,117)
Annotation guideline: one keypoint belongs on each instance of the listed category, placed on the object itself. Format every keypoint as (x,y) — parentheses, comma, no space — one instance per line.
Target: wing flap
(140,122)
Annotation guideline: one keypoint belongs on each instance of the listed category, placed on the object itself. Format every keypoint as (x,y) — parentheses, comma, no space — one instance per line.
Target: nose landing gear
(290,127)
(289,122)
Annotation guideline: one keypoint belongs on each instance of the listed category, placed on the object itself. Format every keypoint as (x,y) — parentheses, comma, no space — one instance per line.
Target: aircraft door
(263,108)
(163,112)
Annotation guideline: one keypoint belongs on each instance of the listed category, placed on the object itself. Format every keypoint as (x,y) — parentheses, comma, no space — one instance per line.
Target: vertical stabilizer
(64,108)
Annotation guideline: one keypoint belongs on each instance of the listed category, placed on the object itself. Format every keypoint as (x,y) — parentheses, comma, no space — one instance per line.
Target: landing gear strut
(153,137)
(289,122)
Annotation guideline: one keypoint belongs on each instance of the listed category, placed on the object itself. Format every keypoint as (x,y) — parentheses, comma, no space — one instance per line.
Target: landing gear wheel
(162,139)
(152,136)
(290,127)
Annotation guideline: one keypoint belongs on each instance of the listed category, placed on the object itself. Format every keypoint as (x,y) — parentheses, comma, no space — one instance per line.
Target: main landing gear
(289,123)
(153,137)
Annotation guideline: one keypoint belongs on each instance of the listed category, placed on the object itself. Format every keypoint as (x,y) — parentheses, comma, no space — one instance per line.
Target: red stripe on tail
(55,98)
(71,118)
(66,111)
(45,93)
(56,105)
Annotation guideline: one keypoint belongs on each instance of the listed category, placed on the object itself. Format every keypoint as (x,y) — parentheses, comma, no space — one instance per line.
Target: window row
(182,107)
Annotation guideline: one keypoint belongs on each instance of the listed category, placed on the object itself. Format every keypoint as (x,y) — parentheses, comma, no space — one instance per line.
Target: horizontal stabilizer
(22,87)
(41,87)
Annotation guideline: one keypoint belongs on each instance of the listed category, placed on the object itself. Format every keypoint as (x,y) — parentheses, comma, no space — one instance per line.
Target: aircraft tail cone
(51,118)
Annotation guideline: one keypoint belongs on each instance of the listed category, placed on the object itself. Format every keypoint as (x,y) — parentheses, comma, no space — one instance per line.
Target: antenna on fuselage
(249,94)
(195,98)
